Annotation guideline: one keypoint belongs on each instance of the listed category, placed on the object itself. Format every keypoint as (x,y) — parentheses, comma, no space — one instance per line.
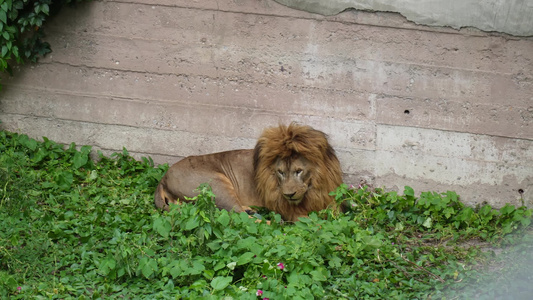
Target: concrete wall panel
(456,115)
(403,104)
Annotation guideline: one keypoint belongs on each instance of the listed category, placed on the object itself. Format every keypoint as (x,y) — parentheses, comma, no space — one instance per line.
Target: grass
(74,228)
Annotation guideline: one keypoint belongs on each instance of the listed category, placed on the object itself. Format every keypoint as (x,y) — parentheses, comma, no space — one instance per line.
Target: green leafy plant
(21,30)
(71,227)
(439,216)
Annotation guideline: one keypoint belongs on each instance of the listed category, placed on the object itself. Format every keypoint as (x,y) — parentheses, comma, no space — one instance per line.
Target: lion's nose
(289,196)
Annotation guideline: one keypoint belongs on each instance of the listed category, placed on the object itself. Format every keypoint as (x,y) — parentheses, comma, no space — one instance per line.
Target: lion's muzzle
(293,198)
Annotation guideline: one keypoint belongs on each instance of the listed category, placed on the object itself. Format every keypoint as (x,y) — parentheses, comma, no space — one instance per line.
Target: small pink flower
(266,299)
(259,293)
(19,288)
(281,266)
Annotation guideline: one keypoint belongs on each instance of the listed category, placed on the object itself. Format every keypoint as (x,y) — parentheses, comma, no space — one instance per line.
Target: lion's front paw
(249,210)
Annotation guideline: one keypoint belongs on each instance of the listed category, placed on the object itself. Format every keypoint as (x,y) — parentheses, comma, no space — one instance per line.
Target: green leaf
(9,281)
(393,197)
(93,175)
(176,268)
(162,226)
(107,265)
(197,267)
(199,285)
(39,23)
(371,242)
(248,243)
(427,223)
(192,223)
(224,218)
(399,226)
(408,191)
(221,282)
(64,180)
(80,159)
(209,274)
(18,5)
(245,258)
(148,266)
(319,275)
(45,9)
(448,212)
(27,142)
(5,6)
(507,209)
(3,17)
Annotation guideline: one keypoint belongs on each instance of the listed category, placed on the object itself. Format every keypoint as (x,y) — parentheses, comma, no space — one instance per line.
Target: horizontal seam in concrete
(35,115)
(464,159)
(455,131)
(86,122)
(229,79)
(256,112)
(159,101)
(303,55)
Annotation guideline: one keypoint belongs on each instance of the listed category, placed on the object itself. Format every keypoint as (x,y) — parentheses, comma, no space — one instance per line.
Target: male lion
(291,171)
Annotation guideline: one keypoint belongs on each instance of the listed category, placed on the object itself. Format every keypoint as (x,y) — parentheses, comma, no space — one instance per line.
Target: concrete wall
(403,104)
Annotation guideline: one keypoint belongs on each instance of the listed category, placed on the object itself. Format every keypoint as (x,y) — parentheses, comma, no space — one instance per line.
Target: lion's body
(229,174)
(291,171)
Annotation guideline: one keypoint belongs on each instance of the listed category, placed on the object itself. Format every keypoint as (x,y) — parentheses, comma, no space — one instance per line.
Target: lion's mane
(285,142)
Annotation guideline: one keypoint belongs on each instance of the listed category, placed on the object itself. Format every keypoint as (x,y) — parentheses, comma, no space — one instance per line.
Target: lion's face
(295,169)
(294,177)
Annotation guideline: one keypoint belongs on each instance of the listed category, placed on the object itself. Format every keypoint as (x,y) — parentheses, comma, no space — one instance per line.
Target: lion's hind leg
(226,195)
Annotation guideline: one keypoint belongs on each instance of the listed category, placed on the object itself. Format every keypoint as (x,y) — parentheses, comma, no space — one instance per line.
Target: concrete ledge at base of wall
(511,16)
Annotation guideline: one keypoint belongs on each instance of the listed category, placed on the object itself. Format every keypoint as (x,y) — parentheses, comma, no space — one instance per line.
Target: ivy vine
(22,30)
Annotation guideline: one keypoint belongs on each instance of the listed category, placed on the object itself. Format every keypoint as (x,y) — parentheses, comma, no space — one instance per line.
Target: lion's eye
(281,173)
(298,172)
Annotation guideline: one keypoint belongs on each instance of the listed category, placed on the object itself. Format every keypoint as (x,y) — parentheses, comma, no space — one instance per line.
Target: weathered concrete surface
(510,16)
(403,104)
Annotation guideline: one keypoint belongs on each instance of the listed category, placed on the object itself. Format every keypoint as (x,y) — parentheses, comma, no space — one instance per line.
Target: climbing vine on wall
(22,25)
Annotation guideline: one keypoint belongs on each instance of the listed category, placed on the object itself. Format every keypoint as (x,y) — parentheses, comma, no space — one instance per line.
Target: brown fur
(287,143)
(291,171)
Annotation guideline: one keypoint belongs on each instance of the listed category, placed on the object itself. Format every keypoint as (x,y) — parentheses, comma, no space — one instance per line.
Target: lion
(291,171)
